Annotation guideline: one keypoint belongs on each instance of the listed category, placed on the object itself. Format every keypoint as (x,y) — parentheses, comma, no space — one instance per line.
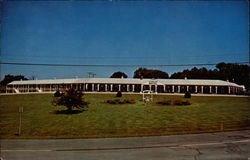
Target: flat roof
(129,81)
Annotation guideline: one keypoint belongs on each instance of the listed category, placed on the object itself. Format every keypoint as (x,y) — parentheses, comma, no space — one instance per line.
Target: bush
(187,95)
(131,101)
(177,102)
(180,102)
(119,101)
(186,102)
(119,94)
(164,102)
(58,94)
(114,101)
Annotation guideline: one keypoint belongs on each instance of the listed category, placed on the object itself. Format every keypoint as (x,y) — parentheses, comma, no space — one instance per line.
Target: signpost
(20,120)
(147,96)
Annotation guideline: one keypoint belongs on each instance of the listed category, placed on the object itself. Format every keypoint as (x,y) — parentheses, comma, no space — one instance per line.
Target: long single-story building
(127,85)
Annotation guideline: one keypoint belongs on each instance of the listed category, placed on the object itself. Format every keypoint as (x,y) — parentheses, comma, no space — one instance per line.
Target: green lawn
(206,114)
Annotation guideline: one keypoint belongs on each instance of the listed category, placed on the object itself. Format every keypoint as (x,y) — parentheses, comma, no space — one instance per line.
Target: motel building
(199,86)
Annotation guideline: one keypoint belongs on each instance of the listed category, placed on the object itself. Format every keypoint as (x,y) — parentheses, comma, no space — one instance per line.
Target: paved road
(212,146)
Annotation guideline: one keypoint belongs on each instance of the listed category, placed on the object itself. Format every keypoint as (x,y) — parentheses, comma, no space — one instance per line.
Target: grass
(41,119)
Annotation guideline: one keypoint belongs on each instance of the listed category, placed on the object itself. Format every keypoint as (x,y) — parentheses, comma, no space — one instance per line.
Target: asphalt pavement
(209,146)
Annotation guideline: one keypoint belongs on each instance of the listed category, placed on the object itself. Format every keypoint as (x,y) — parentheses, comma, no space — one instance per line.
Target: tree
(10,78)
(236,73)
(118,75)
(150,73)
(119,94)
(70,99)
(195,73)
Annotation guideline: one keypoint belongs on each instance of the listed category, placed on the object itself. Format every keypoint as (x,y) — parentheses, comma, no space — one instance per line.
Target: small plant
(187,95)
(119,94)
(177,102)
(109,101)
(187,102)
(164,102)
(180,102)
(129,101)
(119,101)
(114,101)
(58,94)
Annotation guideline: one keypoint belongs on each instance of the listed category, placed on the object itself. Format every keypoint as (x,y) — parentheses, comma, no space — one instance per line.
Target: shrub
(119,101)
(180,102)
(164,102)
(119,94)
(186,102)
(187,95)
(131,101)
(177,102)
(114,101)
(58,94)
(109,101)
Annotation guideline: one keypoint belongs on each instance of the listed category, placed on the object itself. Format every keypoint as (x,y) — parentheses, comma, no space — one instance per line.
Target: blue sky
(113,32)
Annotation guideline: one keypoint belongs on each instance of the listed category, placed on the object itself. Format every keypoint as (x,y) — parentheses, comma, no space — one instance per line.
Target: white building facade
(199,86)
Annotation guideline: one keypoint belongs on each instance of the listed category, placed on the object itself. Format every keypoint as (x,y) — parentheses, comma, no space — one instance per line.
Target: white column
(216,89)
(150,87)
(155,88)
(196,89)
(119,87)
(127,88)
(133,87)
(179,89)
(210,89)
(229,90)
(105,87)
(142,87)
(93,87)
(201,89)
(86,87)
(98,87)
(164,88)
(187,88)
(111,87)
(50,87)
(28,88)
(173,88)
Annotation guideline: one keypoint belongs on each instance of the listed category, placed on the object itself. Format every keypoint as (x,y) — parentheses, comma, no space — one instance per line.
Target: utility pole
(91,74)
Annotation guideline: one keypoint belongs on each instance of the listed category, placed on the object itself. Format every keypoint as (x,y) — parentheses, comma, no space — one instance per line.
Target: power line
(124,57)
(113,65)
